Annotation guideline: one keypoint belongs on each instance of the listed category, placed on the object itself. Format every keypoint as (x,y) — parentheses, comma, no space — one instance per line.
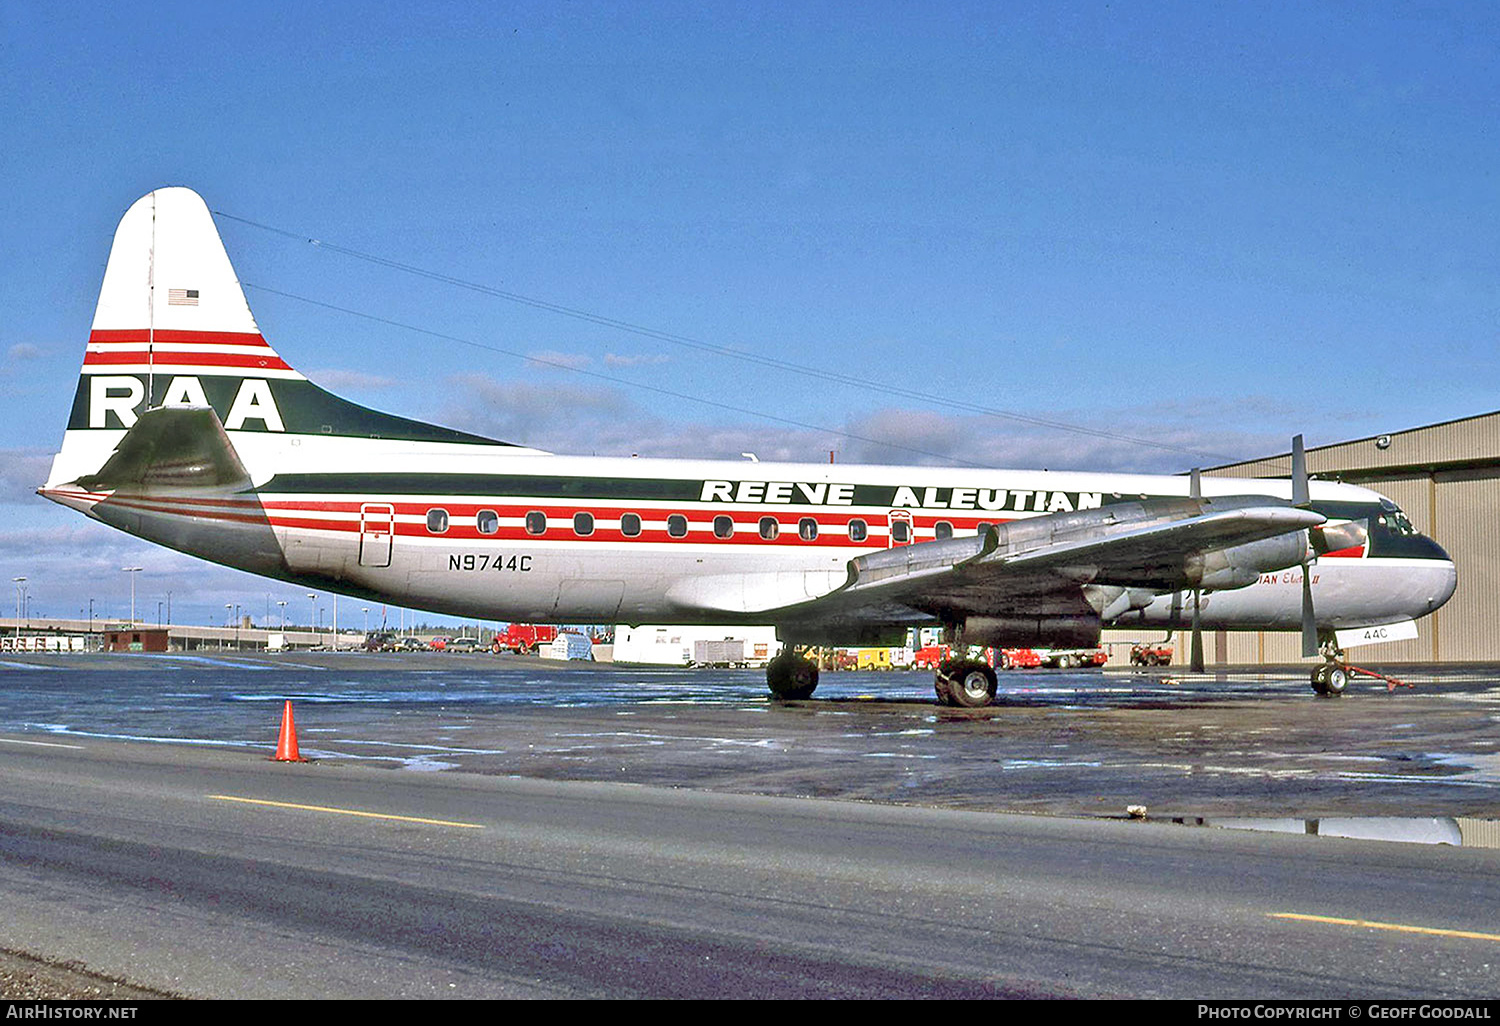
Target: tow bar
(1391,683)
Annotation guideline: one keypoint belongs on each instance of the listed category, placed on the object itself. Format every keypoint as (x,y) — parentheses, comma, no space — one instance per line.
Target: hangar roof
(1464,444)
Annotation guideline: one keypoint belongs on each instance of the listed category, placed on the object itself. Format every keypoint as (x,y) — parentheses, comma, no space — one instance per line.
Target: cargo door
(377,526)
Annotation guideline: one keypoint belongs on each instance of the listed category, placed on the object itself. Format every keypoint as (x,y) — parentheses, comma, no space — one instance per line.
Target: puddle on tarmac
(1457,831)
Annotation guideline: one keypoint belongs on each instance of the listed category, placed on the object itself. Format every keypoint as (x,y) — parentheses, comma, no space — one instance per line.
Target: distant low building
(136,639)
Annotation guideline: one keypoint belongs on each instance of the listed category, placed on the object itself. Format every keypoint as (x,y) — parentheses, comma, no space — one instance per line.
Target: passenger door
(377,526)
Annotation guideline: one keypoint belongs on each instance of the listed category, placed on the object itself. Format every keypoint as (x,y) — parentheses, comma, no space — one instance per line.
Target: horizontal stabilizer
(176,447)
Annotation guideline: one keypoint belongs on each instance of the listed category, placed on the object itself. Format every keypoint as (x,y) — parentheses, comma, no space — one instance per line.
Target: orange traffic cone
(286,743)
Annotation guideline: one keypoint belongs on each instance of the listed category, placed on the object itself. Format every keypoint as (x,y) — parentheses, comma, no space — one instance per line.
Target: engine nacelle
(1242,565)
(1032,631)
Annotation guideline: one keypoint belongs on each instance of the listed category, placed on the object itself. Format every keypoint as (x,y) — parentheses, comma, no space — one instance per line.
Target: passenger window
(901,531)
(942,529)
(858,530)
(723,527)
(677,525)
(807,529)
(488,521)
(630,525)
(437,521)
(583,524)
(536,522)
(770,527)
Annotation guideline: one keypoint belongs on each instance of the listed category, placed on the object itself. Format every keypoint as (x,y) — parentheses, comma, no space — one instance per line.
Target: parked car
(380,641)
(464,645)
(409,644)
(440,643)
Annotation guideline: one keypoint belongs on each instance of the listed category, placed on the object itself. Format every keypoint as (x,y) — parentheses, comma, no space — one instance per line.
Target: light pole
(19,581)
(236,627)
(282,604)
(132,571)
(312,611)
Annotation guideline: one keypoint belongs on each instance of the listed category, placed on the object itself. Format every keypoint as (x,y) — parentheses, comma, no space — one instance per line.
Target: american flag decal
(182,297)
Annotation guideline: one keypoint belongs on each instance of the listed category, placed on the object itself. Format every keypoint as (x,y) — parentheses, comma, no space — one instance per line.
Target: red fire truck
(522,638)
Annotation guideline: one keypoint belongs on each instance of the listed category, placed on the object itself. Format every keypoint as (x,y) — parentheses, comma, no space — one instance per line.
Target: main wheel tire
(1335,681)
(942,687)
(971,685)
(791,678)
(1320,679)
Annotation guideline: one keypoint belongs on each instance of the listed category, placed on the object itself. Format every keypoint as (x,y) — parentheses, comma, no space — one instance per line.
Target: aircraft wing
(1051,565)
(1028,558)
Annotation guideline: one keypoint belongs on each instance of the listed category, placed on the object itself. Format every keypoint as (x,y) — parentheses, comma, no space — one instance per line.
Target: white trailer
(668,645)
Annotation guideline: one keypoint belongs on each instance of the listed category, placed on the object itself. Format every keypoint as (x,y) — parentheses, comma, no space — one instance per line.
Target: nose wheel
(1330,679)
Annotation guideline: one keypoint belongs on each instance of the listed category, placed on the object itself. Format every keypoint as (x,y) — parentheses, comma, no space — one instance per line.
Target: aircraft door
(377,526)
(900,532)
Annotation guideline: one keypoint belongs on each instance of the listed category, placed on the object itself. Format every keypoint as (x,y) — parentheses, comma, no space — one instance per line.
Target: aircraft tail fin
(173,329)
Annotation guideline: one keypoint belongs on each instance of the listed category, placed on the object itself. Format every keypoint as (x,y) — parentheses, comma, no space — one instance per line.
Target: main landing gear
(966,683)
(791,676)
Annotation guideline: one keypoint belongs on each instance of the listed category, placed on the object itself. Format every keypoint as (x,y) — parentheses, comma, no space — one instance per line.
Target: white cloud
(22,472)
(608,421)
(22,351)
(642,360)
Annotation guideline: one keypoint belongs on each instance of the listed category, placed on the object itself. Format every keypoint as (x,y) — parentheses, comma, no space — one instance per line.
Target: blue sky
(1210,226)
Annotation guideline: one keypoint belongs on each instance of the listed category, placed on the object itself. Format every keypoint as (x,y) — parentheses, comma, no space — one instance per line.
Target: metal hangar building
(1446,477)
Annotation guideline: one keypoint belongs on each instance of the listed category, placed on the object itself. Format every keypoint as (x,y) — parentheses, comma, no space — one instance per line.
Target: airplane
(190,430)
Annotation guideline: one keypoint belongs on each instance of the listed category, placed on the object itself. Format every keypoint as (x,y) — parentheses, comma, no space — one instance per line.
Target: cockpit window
(1394,520)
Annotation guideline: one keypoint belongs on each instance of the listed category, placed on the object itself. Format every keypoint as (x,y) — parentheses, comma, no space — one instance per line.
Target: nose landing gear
(1334,675)
(1330,679)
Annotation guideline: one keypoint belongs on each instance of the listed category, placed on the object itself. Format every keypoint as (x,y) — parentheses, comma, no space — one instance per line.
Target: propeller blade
(1197,665)
(1309,621)
(1300,496)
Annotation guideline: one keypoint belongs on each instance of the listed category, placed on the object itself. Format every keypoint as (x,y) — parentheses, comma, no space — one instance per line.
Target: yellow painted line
(1397,927)
(345,812)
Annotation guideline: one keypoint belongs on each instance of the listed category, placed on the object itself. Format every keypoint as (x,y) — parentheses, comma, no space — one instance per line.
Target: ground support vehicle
(728,653)
(1150,655)
(523,638)
(1072,658)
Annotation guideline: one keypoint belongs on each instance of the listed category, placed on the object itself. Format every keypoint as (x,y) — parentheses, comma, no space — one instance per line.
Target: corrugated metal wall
(1460,508)
(1468,510)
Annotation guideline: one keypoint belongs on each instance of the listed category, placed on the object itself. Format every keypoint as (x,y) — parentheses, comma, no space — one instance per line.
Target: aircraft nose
(1445,577)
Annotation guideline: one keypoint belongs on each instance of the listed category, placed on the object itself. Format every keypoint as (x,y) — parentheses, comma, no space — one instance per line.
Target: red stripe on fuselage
(832,528)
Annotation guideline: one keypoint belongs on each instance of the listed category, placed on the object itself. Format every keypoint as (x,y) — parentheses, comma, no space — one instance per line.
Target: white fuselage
(518,535)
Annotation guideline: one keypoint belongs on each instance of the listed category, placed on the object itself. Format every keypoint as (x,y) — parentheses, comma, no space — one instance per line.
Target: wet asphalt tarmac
(1081,743)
